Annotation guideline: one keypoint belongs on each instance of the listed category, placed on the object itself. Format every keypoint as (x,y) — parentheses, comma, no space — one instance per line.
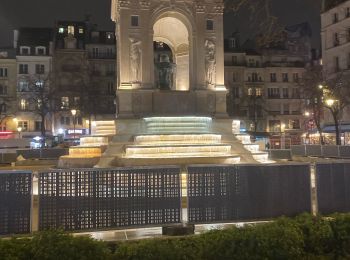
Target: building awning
(342,128)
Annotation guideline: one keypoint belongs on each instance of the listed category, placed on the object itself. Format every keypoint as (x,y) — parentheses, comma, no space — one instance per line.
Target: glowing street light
(307,114)
(19,129)
(330,102)
(320,86)
(74,113)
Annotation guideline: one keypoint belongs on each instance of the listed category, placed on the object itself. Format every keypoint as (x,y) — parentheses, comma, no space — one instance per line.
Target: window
(109,35)
(294,124)
(336,64)
(335,18)
(23,125)
(296,77)
(65,120)
(3,108)
(76,101)
(250,92)
(110,69)
(273,92)
(37,126)
(3,90)
(134,20)
(285,109)
(39,84)
(23,104)
(232,42)
(285,93)
(24,50)
(336,39)
(210,25)
(3,72)
(273,77)
(40,50)
(235,77)
(23,86)
(61,30)
(285,77)
(234,60)
(258,92)
(251,62)
(39,104)
(95,52)
(295,93)
(235,92)
(39,69)
(110,88)
(71,29)
(81,30)
(347,12)
(23,69)
(64,102)
(255,77)
(79,120)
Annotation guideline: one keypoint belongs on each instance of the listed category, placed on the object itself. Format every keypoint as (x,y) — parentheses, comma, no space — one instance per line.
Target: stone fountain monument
(173,112)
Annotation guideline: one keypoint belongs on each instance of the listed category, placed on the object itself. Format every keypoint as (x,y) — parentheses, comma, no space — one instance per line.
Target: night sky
(43,13)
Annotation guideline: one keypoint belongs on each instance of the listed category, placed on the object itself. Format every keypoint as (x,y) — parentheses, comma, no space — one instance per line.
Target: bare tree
(313,94)
(336,97)
(41,98)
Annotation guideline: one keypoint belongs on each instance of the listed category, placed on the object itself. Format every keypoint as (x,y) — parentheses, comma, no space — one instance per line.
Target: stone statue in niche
(210,63)
(166,73)
(135,60)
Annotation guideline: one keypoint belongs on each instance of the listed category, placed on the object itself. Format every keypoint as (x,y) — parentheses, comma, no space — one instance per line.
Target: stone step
(177,139)
(179,151)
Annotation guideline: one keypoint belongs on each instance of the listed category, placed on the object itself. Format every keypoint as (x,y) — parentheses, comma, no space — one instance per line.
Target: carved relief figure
(135,60)
(210,62)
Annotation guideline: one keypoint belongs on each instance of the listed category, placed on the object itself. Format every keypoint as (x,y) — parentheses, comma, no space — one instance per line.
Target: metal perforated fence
(109,198)
(333,187)
(247,192)
(15,202)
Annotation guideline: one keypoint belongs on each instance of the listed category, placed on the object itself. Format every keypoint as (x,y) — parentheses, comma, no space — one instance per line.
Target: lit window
(210,25)
(64,102)
(39,84)
(109,35)
(23,104)
(23,125)
(135,20)
(81,30)
(71,29)
(61,30)
(258,92)
(23,86)
(250,92)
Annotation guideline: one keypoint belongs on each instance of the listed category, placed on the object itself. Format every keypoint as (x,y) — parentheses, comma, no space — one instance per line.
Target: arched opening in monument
(172,59)
(164,66)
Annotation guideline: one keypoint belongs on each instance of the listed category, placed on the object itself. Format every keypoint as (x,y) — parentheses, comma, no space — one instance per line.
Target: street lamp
(19,129)
(283,141)
(330,102)
(74,113)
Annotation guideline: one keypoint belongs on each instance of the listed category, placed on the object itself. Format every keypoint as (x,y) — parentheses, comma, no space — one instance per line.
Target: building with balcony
(34,71)
(335,33)
(84,73)
(264,83)
(8,86)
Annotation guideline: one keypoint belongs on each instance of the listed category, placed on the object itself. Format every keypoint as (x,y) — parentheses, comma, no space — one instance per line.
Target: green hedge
(304,237)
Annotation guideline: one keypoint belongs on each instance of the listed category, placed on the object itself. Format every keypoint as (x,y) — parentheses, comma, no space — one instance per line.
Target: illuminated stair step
(178,150)
(178,155)
(178,139)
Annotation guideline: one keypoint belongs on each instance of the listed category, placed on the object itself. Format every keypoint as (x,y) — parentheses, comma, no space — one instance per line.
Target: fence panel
(247,192)
(333,187)
(298,150)
(109,198)
(15,202)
